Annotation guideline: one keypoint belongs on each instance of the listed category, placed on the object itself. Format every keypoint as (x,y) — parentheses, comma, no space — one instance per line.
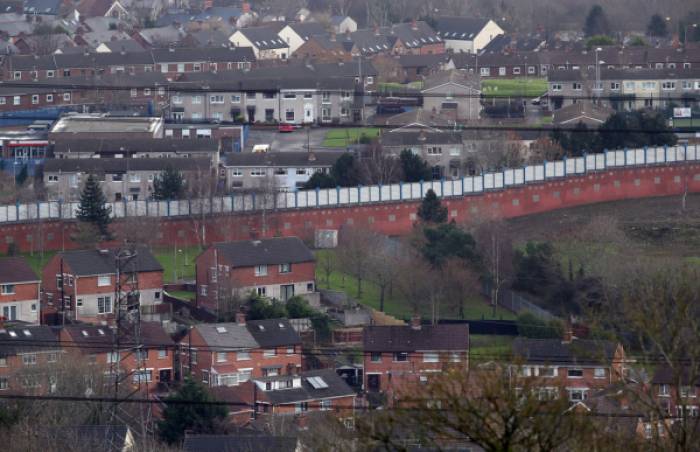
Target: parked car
(285,128)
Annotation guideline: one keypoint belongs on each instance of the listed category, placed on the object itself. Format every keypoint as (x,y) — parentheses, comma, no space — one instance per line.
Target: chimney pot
(415,322)
(240,318)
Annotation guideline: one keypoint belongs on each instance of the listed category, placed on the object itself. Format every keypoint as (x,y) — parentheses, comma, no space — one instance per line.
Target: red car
(285,128)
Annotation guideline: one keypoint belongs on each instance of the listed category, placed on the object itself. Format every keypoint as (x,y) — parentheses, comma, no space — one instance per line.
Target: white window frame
(431,357)
(261,270)
(106,304)
(7,289)
(243,355)
(102,282)
(221,357)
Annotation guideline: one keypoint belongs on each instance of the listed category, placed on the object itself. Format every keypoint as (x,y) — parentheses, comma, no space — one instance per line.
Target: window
(688,411)
(7,289)
(269,353)
(17,75)
(16,100)
(104,280)
(66,97)
(237,172)
(162,353)
(2,101)
(35,99)
(29,359)
(615,86)
(668,86)
(146,91)
(400,357)
(547,372)
(577,86)
(112,357)
(196,99)
(33,307)
(258,172)
(599,372)
(376,357)
(134,92)
(4,383)
(686,391)
(325,114)
(290,350)
(485,71)
(455,357)
(52,357)
(531,70)
(344,112)
(261,270)
(326,97)
(577,395)
(104,305)
(575,373)
(268,95)
(49,98)
(648,86)
(3,361)
(143,376)
(630,86)
(664,390)
(556,86)
(598,86)
(308,95)
(243,355)
(134,178)
(430,357)
(216,99)
(203,290)
(285,268)
(177,99)
(434,150)
(217,116)
(516,70)
(262,291)
(289,115)
(221,357)
(236,98)
(301,407)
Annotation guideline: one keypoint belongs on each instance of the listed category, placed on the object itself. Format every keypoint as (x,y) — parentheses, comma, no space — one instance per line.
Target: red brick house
(148,361)
(82,284)
(19,291)
(228,354)
(291,395)
(579,366)
(396,357)
(677,390)
(275,268)
(27,354)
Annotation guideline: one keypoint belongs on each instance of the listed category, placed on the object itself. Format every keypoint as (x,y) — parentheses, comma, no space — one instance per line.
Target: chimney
(376,30)
(415,322)
(568,333)
(245,7)
(332,38)
(240,318)
(414,25)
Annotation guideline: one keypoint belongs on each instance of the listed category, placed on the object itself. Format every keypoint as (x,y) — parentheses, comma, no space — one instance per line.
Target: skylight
(101,331)
(317,382)
(220,329)
(27,333)
(84,333)
(12,333)
(281,325)
(261,328)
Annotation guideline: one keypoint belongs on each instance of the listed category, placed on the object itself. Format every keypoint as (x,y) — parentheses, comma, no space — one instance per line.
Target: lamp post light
(597,87)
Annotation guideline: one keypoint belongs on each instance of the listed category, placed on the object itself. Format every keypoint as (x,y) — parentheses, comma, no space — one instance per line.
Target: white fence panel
(416,191)
(639,156)
(580,167)
(692,152)
(44,209)
(590,162)
(54,210)
(312,198)
(559,170)
(22,212)
(436,186)
(373,193)
(488,181)
(457,188)
(539,172)
(354,195)
(570,166)
(385,192)
(498,180)
(671,154)
(118,209)
(520,176)
(303,198)
(332,196)
(509,177)
(599,162)
(3,214)
(478,183)
(394,191)
(11,213)
(323,197)
(406,191)
(650,155)
(364,194)
(468,184)
(344,197)
(289,198)
(529,173)
(548,170)
(660,155)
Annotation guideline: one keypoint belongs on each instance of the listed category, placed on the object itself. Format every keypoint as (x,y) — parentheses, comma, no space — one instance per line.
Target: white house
(265,42)
(466,34)
(297,34)
(343,24)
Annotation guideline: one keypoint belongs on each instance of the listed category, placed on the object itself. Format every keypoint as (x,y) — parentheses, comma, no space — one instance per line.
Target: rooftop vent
(220,329)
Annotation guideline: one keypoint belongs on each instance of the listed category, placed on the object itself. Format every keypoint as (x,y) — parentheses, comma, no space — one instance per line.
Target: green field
(182,294)
(388,86)
(486,347)
(475,307)
(37,262)
(340,138)
(184,259)
(686,122)
(531,87)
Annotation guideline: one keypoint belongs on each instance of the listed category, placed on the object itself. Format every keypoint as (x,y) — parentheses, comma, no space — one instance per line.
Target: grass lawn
(36,261)
(686,122)
(475,308)
(182,294)
(387,86)
(340,138)
(531,87)
(184,259)
(487,347)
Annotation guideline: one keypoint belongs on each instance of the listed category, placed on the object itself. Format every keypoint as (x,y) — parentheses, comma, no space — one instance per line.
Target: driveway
(294,141)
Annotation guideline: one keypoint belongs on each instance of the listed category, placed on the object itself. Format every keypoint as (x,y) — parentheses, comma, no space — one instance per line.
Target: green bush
(531,326)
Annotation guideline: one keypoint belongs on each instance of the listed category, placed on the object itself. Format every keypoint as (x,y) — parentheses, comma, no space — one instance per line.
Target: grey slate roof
(283,159)
(123,45)
(563,75)
(585,111)
(123,146)
(41,338)
(553,351)
(274,332)
(235,336)
(275,251)
(16,270)
(666,375)
(239,443)
(42,7)
(103,262)
(459,28)
(336,388)
(99,339)
(408,339)
(401,138)
(124,165)
(265,37)
(307,29)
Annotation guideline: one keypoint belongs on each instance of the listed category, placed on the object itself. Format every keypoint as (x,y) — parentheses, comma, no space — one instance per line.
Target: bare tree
(382,267)
(354,251)
(378,168)
(495,246)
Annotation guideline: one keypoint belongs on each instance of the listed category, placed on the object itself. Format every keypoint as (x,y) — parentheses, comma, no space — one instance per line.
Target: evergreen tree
(446,241)
(168,185)
(657,27)
(21,177)
(193,417)
(431,209)
(414,168)
(320,180)
(92,208)
(596,22)
(345,172)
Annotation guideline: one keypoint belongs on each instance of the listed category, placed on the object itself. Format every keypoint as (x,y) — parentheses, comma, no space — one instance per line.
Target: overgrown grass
(184,258)
(394,304)
(182,294)
(340,138)
(487,347)
(531,87)
(37,262)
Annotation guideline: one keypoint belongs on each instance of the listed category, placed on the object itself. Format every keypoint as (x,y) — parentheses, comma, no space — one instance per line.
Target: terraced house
(19,291)
(28,355)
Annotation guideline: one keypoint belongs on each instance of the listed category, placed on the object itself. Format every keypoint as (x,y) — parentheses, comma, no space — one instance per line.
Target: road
(294,141)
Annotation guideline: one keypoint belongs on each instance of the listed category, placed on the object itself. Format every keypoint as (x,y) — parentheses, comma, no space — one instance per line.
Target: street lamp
(597,74)
(685,38)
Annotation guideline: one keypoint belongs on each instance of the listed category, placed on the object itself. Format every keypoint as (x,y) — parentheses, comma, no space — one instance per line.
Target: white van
(261,148)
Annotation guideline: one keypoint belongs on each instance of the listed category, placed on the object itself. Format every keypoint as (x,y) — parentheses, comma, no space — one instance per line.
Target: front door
(9,312)
(308,113)
(165,375)
(287,291)
(373,382)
